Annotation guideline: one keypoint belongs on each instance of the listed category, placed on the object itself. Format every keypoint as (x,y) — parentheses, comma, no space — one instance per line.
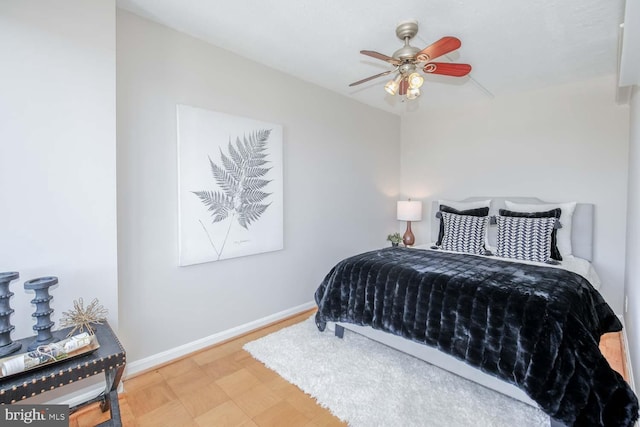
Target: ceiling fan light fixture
(413,92)
(415,80)
(392,85)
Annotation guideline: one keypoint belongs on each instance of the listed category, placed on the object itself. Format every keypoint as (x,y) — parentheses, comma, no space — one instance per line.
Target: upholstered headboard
(581,232)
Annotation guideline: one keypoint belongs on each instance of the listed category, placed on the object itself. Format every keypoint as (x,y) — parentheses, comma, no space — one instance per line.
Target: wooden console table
(108,358)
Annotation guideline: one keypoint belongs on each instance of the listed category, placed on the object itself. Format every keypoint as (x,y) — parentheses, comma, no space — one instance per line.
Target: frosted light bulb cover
(391,87)
(415,80)
(413,93)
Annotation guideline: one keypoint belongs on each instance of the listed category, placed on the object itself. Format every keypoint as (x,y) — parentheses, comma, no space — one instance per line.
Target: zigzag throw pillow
(464,233)
(527,239)
(444,208)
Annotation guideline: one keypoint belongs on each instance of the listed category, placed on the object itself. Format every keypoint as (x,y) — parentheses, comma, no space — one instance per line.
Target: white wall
(565,143)
(632,285)
(341,168)
(58,152)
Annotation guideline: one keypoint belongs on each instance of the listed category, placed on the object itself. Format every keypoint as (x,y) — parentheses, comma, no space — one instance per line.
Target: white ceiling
(512,45)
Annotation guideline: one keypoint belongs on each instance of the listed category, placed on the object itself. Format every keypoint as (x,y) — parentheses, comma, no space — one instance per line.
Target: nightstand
(109,359)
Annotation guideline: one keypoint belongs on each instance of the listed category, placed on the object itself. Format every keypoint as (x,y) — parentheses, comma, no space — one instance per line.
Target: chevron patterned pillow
(473,212)
(554,213)
(527,239)
(464,233)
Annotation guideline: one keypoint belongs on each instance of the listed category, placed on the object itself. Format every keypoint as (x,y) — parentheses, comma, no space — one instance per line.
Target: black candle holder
(6,345)
(43,311)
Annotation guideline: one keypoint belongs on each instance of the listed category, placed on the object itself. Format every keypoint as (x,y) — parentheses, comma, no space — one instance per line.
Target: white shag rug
(368,384)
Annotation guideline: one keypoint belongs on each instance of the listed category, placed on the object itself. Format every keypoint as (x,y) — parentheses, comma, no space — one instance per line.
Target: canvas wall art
(230,186)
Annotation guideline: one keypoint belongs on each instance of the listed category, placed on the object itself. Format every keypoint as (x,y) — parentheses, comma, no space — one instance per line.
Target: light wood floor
(225,386)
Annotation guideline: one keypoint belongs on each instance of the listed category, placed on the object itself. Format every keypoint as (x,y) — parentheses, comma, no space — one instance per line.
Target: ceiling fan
(408,59)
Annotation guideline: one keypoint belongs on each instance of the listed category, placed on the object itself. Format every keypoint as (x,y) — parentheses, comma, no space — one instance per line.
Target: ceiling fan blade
(380,56)
(439,48)
(447,69)
(371,78)
(404,85)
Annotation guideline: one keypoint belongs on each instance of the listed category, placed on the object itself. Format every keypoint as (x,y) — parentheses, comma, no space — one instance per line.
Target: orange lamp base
(408,238)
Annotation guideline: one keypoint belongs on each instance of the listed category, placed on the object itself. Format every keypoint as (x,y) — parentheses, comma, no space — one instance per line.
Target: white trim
(627,356)
(180,351)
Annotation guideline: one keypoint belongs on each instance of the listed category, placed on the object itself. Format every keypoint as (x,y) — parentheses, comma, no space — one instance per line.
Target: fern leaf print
(241,178)
(230,186)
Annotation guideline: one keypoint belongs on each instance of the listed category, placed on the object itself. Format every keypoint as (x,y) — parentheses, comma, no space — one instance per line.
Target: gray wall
(341,168)
(58,153)
(632,285)
(566,143)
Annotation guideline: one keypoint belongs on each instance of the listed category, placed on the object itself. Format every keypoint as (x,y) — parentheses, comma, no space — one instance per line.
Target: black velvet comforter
(533,326)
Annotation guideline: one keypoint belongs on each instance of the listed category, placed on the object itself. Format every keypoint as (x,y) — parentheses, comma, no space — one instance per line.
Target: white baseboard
(158,359)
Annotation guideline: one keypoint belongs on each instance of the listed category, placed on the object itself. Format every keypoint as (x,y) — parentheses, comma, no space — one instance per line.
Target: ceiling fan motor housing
(405,32)
(406,53)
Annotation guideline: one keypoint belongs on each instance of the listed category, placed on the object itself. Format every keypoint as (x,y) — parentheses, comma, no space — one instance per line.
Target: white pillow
(564,234)
(463,206)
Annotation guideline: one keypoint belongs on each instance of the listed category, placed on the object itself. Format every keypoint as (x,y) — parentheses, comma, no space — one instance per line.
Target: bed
(506,325)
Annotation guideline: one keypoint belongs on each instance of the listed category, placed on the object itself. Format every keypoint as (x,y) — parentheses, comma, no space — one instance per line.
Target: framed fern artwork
(230,186)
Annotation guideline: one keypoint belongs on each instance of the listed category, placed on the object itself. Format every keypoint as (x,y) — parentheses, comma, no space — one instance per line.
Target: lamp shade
(410,210)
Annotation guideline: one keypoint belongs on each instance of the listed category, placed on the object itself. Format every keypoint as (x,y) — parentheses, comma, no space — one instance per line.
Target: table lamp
(410,210)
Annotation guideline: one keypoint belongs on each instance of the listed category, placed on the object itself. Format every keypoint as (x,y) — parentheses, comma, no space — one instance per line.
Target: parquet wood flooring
(224,386)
